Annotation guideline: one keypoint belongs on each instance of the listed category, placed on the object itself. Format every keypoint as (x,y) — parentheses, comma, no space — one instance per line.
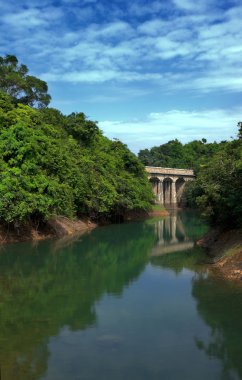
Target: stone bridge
(168,183)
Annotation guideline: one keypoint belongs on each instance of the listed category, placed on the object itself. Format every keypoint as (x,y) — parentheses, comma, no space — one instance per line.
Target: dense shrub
(54,164)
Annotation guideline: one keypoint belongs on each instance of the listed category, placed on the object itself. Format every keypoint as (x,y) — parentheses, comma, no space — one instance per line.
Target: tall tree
(52,164)
(24,88)
(240,130)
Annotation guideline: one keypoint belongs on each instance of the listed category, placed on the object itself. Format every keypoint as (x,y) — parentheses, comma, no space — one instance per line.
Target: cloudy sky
(148,71)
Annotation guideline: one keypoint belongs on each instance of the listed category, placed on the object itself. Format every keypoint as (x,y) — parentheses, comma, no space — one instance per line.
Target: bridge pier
(161,196)
(173,192)
(167,192)
(168,183)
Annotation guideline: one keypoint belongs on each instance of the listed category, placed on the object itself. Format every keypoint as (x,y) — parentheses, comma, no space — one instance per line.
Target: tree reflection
(48,286)
(219,304)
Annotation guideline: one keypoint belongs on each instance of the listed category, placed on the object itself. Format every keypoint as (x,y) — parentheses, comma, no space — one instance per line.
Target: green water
(132,301)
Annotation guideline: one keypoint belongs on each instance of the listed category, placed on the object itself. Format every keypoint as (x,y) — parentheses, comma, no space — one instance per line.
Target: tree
(240,129)
(52,164)
(82,129)
(217,191)
(173,154)
(24,88)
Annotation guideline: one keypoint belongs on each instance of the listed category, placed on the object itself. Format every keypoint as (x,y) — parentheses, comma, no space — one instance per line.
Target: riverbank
(61,226)
(156,211)
(55,227)
(225,251)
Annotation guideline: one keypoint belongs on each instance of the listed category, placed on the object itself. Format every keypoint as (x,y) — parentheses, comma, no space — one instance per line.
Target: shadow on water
(57,284)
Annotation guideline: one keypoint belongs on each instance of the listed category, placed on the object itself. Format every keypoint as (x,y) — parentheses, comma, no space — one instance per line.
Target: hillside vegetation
(52,164)
(217,190)
(174,154)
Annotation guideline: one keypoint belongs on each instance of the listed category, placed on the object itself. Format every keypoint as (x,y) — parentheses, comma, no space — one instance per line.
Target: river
(131,301)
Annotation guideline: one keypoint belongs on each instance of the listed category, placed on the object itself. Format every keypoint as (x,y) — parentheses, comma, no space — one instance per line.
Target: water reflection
(172,234)
(219,304)
(54,284)
(108,305)
(218,301)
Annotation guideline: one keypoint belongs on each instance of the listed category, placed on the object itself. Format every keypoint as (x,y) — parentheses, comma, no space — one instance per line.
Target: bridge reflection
(171,236)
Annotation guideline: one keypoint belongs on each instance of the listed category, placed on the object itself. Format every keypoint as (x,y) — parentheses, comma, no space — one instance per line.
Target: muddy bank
(225,251)
(158,213)
(135,215)
(56,227)
(63,227)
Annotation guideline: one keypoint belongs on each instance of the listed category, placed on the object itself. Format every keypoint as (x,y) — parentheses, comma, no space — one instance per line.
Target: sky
(147,71)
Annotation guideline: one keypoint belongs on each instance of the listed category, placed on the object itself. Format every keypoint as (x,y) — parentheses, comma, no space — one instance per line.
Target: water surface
(132,301)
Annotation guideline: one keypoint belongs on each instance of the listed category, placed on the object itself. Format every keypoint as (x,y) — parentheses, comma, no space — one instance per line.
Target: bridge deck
(171,171)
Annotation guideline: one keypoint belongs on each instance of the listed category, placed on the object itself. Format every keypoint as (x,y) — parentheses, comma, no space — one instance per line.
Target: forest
(54,164)
(217,190)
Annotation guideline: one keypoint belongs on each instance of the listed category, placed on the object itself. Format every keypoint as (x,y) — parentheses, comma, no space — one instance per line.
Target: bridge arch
(155,183)
(180,184)
(168,183)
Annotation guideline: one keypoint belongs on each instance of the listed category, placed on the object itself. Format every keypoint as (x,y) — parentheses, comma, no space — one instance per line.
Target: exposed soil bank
(158,213)
(225,251)
(133,215)
(62,226)
(56,227)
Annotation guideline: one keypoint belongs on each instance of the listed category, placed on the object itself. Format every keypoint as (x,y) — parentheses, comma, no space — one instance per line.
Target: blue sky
(149,72)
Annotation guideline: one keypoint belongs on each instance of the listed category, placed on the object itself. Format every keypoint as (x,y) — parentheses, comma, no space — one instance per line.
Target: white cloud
(140,8)
(97,76)
(117,95)
(159,128)
(153,27)
(185,50)
(29,17)
(109,30)
(191,5)
(185,4)
(32,17)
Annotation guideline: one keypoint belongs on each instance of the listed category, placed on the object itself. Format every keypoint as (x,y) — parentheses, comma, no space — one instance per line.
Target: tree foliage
(176,155)
(218,189)
(54,164)
(24,88)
